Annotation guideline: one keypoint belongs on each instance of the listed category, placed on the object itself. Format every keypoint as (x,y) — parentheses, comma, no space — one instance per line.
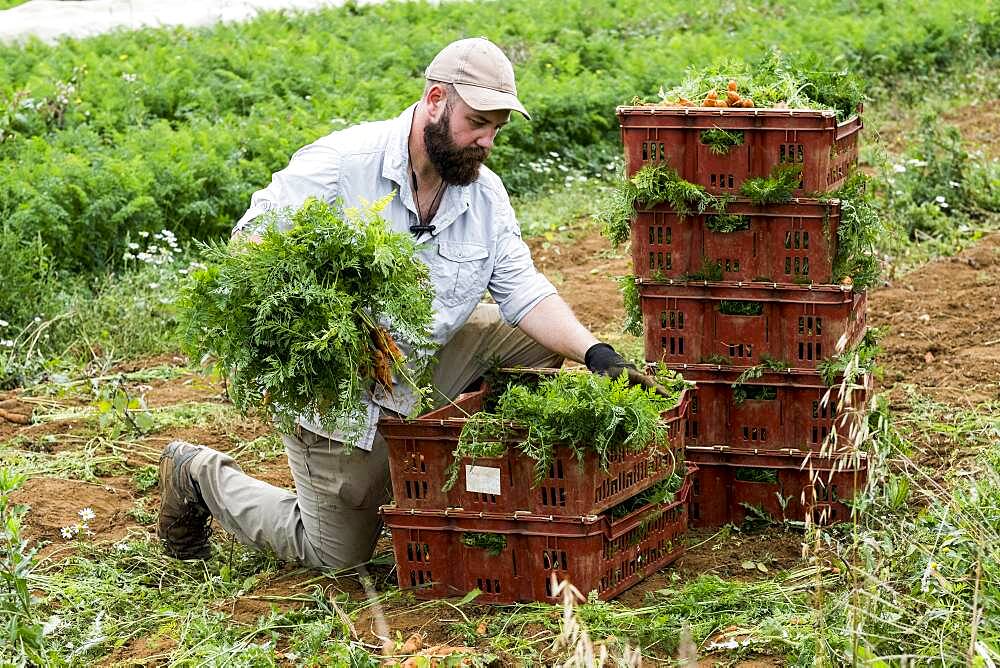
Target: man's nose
(485,140)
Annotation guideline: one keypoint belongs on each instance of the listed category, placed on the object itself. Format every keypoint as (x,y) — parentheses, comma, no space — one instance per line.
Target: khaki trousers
(332,519)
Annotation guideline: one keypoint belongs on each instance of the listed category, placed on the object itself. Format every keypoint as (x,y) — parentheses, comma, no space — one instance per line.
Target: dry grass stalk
(574,636)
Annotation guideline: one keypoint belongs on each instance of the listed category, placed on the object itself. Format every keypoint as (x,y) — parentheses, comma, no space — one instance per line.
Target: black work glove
(605,360)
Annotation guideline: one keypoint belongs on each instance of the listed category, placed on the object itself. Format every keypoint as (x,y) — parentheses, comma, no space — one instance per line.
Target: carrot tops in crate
(295,321)
(773,82)
(583,411)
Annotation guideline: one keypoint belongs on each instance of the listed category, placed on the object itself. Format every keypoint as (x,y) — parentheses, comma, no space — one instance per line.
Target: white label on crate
(483,479)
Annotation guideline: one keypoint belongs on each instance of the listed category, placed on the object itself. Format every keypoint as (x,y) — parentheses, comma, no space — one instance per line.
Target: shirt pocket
(459,271)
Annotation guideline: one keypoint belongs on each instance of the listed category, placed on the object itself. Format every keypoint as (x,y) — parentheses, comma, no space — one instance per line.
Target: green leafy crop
(296,320)
(742,392)
(633,310)
(858,234)
(652,185)
(776,188)
(582,411)
(719,141)
(662,492)
(726,223)
(493,543)
(774,81)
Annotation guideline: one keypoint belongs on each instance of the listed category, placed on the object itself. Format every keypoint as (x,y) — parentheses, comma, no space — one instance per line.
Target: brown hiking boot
(184,524)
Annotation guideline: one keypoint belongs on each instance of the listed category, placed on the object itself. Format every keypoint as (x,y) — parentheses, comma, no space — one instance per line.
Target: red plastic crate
(791,411)
(799,325)
(420,451)
(781,485)
(826,150)
(784,243)
(594,553)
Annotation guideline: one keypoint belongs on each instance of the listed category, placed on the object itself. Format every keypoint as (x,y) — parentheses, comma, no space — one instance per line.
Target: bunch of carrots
(712,99)
(384,355)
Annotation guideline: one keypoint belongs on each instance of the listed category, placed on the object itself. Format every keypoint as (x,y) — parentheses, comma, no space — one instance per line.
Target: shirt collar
(396,168)
(396,165)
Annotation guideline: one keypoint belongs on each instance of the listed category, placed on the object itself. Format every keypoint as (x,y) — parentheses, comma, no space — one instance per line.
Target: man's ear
(435,100)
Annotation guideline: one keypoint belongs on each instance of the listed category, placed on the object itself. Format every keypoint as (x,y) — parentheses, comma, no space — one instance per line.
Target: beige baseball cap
(480,72)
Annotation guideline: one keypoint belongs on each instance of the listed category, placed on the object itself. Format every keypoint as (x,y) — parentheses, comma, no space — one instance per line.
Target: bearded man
(432,157)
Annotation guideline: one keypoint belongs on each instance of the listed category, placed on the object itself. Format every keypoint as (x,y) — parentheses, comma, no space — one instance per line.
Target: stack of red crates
(502,532)
(778,443)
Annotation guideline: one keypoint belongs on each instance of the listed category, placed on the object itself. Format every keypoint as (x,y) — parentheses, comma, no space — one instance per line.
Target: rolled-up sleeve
(313,171)
(516,285)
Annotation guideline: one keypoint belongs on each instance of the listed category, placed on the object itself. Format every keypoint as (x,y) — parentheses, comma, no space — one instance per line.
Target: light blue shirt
(476,245)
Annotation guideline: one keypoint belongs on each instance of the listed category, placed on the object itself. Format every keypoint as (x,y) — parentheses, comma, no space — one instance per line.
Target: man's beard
(456,166)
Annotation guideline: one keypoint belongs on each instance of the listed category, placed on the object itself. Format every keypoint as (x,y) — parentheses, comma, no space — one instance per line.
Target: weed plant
(859,360)
(580,411)
(146,597)
(295,320)
(80,320)
(938,192)
(22,633)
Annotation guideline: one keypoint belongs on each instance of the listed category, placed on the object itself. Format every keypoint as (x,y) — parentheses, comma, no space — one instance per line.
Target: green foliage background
(175,128)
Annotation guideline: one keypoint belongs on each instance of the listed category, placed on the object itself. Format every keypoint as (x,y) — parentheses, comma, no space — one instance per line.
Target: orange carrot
(382,371)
